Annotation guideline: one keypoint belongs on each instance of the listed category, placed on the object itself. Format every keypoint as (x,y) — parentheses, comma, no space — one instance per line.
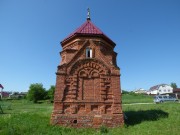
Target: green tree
(51,92)
(125,92)
(173,85)
(36,92)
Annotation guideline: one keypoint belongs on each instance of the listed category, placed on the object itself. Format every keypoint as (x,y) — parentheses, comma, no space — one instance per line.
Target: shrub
(36,92)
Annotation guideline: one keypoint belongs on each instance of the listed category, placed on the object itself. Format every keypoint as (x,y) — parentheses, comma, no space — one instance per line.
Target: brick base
(88,121)
(87,115)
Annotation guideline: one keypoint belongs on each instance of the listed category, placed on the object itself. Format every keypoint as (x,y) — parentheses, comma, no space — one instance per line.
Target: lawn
(22,117)
(136,98)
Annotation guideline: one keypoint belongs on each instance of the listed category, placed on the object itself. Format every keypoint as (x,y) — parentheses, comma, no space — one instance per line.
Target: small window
(88,53)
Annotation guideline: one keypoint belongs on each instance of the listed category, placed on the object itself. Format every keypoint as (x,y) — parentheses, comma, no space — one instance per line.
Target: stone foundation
(89,116)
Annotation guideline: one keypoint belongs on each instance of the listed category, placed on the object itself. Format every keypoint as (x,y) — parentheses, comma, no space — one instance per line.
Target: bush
(125,92)
(51,92)
(36,92)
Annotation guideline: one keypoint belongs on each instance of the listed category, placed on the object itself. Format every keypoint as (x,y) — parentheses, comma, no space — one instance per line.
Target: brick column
(59,92)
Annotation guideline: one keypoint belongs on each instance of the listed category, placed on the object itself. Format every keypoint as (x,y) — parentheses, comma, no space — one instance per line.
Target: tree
(125,92)
(51,92)
(36,92)
(173,85)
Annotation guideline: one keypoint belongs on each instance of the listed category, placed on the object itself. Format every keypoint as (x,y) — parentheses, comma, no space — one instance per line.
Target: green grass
(136,98)
(25,118)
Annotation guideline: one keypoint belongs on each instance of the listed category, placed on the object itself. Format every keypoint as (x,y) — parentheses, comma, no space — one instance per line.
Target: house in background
(160,89)
(17,95)
(13,95)
(140,91)
(4,94)
(176,91)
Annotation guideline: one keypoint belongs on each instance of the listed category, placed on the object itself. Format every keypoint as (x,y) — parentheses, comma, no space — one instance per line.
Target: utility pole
(1,110)
(1,93)
(1,90)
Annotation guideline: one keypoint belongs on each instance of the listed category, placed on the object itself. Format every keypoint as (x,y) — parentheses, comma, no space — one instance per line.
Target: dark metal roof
(156,87)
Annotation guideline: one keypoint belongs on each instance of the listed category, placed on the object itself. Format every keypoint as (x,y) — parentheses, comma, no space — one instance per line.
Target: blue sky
(146,33)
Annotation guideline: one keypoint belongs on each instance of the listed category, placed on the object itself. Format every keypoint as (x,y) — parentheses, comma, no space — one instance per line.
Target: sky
(146,33)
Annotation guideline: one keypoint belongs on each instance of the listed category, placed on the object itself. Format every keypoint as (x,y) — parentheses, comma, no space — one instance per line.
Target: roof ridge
(88,27)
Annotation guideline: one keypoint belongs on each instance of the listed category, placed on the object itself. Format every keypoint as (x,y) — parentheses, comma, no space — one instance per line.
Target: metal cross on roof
(88,14)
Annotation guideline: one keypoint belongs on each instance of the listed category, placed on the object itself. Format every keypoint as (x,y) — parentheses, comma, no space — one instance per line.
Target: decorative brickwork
(88,92)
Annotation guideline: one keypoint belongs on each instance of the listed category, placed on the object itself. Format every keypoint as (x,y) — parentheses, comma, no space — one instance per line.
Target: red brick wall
(88,92)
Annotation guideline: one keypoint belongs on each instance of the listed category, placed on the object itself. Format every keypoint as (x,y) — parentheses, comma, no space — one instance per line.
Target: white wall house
(160,89)
(140,91)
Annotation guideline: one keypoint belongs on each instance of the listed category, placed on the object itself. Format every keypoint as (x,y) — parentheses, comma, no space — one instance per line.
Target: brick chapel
(88,91)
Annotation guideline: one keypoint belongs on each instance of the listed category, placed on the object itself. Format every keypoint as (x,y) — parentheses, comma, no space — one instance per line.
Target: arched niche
(88,81)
